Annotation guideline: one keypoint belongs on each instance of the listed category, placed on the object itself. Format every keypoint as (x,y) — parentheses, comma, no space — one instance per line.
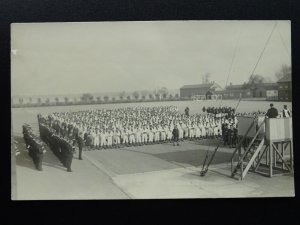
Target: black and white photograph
(182,109)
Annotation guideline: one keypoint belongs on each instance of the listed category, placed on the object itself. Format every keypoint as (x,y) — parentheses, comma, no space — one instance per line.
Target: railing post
(271,159)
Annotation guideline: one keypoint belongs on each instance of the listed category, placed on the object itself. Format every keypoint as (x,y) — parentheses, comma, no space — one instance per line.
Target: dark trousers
(175,139)
(80,145)
(39,161)
(69,161)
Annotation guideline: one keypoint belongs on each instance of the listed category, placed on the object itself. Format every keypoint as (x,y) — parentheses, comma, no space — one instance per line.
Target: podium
(279,139)
(265,146)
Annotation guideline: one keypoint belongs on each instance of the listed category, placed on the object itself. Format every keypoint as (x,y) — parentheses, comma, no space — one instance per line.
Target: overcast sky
(64,58)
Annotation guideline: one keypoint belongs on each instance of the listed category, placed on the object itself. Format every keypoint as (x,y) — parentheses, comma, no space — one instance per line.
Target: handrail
(253,139)
(253,158)
(248,148)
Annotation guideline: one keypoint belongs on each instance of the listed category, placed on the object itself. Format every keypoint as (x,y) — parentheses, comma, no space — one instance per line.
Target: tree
(91,98)
(170,96)
(48,101)
(163,92)
(157,95)
(128,97)
(284,70)
(87,98)
(253,80)
(39,101)
(122,95)
(177,95)
(136,95)
(144,94)
(66,100)
(98,98)
(113,99)
(21,101)
(106,98)
(56,100)
(74,99)
(151,96)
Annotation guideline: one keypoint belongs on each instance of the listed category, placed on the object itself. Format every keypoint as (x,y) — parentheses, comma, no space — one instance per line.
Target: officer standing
(272,112)
(175,135)
(80,139)
(187,111)
(34,146)
(39,154)
(68,154)
(225,134)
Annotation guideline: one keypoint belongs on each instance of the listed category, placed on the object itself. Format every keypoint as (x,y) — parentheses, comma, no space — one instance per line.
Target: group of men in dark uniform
(62,146)
(229,134)
(34,146)
(217,110)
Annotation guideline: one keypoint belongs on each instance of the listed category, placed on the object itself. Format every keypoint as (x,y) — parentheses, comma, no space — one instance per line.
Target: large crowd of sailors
(113,128)
(136,126)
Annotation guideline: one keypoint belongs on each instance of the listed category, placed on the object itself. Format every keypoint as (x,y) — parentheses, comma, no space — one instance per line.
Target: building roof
(234,87)
(267,84)
(209,86)
(206,86)
(286,78)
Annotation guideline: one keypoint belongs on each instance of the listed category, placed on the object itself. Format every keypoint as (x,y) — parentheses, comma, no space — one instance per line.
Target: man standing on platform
(286,112)
(272,112)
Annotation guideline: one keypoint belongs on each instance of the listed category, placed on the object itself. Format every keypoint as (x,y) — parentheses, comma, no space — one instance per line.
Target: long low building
(207,90)
(269,91)
(235,91)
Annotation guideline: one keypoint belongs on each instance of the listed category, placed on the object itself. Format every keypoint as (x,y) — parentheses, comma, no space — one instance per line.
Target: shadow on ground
(194,157)
(24,160)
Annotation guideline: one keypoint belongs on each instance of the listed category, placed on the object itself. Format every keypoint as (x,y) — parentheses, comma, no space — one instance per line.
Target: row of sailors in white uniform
(145,135)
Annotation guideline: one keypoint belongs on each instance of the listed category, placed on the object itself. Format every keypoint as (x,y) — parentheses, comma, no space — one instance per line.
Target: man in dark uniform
(230,136)
(235,132)
(25,134)
(55,145)
(68,148)
(80,140)
(225,134)
(39,152)
(175,133)
(187,111)
(272,112)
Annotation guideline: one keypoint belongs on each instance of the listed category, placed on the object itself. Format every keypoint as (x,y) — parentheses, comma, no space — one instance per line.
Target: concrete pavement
(144,175)
(54,182)
(152,171)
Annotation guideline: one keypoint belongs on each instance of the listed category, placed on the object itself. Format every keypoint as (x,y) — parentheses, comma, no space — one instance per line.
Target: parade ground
(159,171)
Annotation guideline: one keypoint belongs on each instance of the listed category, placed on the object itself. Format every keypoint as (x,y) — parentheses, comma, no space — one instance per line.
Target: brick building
(285,88)
(188,91)
(235,91)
